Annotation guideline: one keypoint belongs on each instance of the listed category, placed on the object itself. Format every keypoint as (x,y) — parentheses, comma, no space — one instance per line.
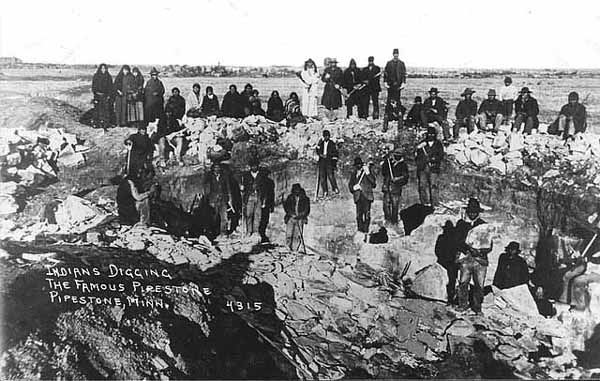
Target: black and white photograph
(314,190)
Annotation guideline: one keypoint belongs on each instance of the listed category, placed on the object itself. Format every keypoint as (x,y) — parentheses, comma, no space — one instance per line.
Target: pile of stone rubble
(507,153)
(30,158)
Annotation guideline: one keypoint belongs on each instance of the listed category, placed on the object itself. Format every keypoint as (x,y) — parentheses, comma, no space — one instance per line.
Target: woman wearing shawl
(102,88)
(293,113)
(210,103)
(121,96)
(275,107)
(135,101)
(233,103)
(332,96)
(255,104)
(310,80)
(153,97)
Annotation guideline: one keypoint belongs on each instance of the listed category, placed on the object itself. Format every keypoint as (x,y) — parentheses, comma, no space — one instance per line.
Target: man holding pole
(361,185)
(394,77)
(297,209)
(328,157)
(395,176)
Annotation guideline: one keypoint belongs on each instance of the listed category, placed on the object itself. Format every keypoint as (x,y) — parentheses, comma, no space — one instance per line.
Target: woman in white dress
(310,79)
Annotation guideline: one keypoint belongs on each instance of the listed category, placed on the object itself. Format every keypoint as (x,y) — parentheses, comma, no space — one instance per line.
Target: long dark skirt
(332,98)
(103,112)
(120,110)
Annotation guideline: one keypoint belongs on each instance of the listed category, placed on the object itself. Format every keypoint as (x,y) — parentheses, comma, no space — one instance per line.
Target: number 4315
(240,306)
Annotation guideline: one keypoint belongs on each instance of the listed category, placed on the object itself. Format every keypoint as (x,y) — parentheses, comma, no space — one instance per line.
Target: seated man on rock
(490,111)
(584,271)
(466,110)
(512,270)
(526,111)
(571,119)
(435,109)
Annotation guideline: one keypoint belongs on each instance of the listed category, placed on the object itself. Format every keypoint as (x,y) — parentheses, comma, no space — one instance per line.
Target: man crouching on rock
(297,209)
(361,185)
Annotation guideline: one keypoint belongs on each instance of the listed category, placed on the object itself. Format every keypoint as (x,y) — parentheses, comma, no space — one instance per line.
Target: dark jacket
(528,107)
(578,113)
(256,107)
(399,170)
(445,248)
(233,105)
(332,152)
(394,73)
(102,85)
(297,206)
(351,78)
(367,184)
(466,108)
(414,115)
(153,99)
(430,155)
(440,106)
(269,193)
(332,98)
(394,113)
(372,79)
(210,106)
(176,105)
(259,185)
(511,271)
(491,108)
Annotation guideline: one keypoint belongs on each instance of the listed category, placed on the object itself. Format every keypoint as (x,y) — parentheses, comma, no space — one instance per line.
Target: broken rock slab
(430,282)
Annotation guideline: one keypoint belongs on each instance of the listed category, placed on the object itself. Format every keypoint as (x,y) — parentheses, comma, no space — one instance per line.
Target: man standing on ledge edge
(394,77)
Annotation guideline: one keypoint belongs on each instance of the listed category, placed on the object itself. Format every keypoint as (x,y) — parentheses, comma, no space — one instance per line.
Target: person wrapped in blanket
(170,134)
(293,113)
(394,111)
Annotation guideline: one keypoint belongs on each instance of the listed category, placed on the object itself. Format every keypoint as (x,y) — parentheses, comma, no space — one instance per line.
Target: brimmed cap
(492,92)
(433,90)
(513,245)
(468,91)
(525,90)
(371,59)
(154,71)
(473,205)
(296,188)
(395,51)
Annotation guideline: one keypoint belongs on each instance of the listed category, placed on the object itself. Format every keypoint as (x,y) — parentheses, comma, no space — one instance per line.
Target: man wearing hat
(465,112)
(413,119)
(153,97)
(526,110)
(254,196)
(371,74)
(140,150)
(490,111)
(218,191)
(472,262)
(297,209)
(571,118)
(395,175)
(429,155)
(394,77)
(328,157)
(508,95)
(512,270)
(332,97)
(435,109)
(361,184)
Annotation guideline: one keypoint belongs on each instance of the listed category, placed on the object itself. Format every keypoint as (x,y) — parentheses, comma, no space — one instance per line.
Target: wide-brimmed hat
(473,206)
(154,71)
(358,161)
(492,92)
(513,245)
(468,91)
(525,90)
(433,90)
(333,60)
(296,188)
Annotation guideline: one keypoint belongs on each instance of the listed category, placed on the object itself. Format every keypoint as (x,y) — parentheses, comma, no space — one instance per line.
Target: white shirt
(508,93)
(254,174)
(325,143)
(193,101)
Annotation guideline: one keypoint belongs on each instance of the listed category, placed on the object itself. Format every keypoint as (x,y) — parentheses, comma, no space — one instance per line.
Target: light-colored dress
(310,92)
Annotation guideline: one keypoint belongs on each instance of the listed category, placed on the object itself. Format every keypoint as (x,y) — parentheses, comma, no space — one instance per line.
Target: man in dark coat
(512,270)
(361,184)
(371,74)
(354,86)
(446,251)
(435,109)
(233,104)
(328,157)
(153,97)
(254,196)
(139,150)
(526,111)
(490,110)
(217,190)
(394,111)
(429,156)
(333,78)
(267,205)
(571,119)
(413,119)
(297,209)
(465,112)
(395,175)
(394,77)
(472,262)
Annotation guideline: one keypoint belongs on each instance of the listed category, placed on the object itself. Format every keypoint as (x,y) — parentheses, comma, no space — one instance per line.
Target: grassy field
(73,86)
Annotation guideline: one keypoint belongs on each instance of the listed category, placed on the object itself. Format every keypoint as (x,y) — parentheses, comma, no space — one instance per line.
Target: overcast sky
(430,33)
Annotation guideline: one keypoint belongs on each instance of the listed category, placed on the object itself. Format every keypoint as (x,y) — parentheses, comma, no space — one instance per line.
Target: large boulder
(517,299)
(77,215)
(430,282)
